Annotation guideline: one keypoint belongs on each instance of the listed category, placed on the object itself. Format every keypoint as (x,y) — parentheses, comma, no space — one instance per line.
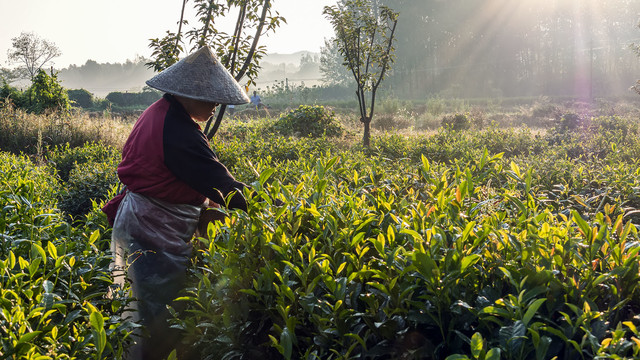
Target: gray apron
(151,247)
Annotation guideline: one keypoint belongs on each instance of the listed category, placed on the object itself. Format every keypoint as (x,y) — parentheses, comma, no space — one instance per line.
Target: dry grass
(21,132)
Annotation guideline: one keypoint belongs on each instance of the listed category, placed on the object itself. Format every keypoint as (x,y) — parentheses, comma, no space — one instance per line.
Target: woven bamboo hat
(200,76)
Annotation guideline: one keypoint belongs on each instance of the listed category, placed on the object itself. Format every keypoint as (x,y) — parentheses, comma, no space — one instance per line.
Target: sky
(110,31)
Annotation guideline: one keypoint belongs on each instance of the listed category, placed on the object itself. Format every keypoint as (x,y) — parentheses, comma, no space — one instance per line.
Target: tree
(46,93)
(81,98)
(238,50)
(364,37)
(8,75)
(32,52)
(636,48)
(331,65)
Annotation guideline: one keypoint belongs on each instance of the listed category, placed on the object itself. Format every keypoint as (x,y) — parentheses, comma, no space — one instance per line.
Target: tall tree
(238,50)
(636,48)
(32,52)
(364,37)
(332,65)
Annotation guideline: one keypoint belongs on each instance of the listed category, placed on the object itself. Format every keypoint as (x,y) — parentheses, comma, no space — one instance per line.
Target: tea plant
(54,278)
(492,244)
(426,262)
(309,121)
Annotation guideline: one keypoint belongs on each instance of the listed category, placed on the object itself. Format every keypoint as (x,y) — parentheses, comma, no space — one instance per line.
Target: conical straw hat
(200,76)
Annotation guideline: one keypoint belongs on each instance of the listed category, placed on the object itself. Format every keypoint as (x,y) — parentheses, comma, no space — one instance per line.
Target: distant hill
(276,58)
(102,78)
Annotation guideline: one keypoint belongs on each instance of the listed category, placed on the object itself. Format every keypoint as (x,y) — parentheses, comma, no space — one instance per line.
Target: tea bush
(54,277)
(497,243)
(456,122)
(369,261)
(88,183)
(309,121)
(65,158)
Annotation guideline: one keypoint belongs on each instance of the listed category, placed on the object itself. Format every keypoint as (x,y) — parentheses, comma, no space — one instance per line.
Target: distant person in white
(255,100)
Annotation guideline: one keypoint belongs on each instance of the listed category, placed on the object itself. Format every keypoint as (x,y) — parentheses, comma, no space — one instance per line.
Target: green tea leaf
(28,337)
(477,345)
(286,342)
(52,250)
(493,354)
(531,311)
(96,320)
(468,261)
(577,218)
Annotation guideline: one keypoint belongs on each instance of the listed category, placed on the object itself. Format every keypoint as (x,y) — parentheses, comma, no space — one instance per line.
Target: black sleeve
(189,157)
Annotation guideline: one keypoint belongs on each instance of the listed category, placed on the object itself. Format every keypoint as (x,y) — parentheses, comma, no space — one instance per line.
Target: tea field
(478,244)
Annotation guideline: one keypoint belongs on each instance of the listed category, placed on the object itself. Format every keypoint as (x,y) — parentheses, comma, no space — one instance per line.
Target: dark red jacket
(168,157)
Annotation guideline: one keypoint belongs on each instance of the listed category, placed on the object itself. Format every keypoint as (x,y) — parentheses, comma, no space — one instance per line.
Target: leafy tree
(331,65)
(364,37)
(9,94)
(32,52)
(8,75)
(636,48)
(81,98)
(145,98)
(238,50)
(46,93)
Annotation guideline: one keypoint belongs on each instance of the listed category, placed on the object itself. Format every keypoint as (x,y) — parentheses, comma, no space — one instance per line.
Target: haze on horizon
(119,30)
(445,48)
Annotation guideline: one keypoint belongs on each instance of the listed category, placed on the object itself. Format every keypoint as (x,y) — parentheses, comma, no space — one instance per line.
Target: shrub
(427,121)
(543,108)
(89,182)
(456,122)
(620,127)
(139,99)
(435,106)
(10,96)
(391,121)
(81,98)
(46,94)
(568,122)
(54,276)
(390,106)
(65,158)
(309,121)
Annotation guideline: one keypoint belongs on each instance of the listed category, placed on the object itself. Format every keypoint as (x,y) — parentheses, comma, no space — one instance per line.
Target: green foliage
(331,65)
(497,243)
(139,99)
(308,121)
(435,106)
(364,38)
(46,94)
(10,95)
(88,172)
(88,183)
(567,122)
(456,122)
(65,158)
(81,98)
(54,276)
(368,261)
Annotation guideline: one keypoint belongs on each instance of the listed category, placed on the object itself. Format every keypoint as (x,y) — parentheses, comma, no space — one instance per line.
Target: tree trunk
(366,138)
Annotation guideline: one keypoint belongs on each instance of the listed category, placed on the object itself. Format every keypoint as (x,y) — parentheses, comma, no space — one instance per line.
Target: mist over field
(103,78)
(462,49)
